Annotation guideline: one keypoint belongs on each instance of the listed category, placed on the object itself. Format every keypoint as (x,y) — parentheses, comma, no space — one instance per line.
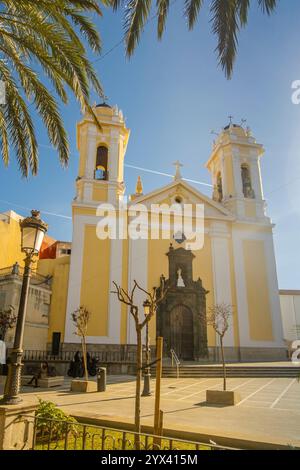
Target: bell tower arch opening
(101,155)
(246,181)
(234,165)
(101,170)
(219,187)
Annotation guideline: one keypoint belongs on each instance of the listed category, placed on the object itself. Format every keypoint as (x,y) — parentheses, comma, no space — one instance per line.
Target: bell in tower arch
(101,172)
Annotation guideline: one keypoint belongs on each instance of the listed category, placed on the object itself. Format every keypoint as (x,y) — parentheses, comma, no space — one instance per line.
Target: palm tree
(227,18)
(43,40)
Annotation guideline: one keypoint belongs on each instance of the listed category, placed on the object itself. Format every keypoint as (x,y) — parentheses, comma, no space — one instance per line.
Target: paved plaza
(269,410)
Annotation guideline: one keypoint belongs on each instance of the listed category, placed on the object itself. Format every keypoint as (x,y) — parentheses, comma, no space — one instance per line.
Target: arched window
(246,180)
(101,172)
(219,187)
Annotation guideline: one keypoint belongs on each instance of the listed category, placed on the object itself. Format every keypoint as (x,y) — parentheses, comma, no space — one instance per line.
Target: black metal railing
(53,434)
(67,356)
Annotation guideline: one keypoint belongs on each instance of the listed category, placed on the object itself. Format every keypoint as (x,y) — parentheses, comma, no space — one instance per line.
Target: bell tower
(234,165)
(101,156)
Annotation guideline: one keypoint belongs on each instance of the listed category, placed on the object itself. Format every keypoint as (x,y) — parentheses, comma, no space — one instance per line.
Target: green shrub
(52,423)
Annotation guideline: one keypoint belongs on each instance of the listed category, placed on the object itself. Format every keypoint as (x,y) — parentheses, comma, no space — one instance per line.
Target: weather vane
(230,119)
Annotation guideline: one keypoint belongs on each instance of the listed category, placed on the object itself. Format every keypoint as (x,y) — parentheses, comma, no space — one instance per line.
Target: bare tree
(81,318)
(8,319)
(218,317)
(127,298)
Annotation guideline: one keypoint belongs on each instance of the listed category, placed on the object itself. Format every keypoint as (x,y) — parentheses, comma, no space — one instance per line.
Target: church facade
(235,265)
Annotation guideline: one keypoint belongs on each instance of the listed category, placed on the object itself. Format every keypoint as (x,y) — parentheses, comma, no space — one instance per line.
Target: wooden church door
(181,332)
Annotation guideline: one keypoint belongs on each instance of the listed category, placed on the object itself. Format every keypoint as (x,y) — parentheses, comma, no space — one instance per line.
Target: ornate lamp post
(147,374)
(32,233)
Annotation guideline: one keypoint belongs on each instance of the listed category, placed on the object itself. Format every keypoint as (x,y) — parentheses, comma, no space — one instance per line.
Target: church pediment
(181,192)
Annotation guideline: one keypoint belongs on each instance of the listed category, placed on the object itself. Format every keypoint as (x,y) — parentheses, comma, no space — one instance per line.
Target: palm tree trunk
(137,419)
(223,363)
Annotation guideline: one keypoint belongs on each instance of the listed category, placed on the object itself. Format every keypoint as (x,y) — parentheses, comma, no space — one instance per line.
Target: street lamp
(33,230)
(147,374)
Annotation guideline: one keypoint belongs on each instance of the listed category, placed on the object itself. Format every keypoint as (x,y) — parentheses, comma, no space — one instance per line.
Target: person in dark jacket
(42,373)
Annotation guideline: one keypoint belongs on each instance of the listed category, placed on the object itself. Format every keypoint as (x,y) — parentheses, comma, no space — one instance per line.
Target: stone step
(216,371)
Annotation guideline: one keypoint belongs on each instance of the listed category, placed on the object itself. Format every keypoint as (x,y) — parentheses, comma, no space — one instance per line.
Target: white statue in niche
(180,282)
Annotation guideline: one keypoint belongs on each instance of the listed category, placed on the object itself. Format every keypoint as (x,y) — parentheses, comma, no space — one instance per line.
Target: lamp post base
(11,400)
(12,386)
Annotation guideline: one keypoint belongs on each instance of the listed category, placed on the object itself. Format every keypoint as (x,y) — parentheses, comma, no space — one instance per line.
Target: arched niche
(101,171)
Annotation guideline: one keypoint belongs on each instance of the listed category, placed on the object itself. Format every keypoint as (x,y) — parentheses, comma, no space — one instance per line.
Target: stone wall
(37,313)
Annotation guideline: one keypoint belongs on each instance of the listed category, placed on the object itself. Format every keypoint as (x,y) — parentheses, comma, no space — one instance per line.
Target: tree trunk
(223,362)
(84,358)
(137,419)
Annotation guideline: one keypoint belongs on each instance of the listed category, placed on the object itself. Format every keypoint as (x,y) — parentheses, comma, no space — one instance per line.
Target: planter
(222,397)
(83,386)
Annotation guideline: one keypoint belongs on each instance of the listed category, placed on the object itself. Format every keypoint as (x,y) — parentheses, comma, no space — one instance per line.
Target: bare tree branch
(127,298)
(218,318)
(141,288)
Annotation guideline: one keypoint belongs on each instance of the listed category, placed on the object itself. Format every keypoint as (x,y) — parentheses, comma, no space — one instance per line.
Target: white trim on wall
(137,269)
(221,273)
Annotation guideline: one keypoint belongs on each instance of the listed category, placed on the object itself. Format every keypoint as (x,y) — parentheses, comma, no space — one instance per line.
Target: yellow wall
(83,211)
(259,312)
(58,268)
(95,281)
(99,193)
(10,236)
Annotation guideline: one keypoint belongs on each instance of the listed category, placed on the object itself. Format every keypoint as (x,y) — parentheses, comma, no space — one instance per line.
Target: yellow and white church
(236,264)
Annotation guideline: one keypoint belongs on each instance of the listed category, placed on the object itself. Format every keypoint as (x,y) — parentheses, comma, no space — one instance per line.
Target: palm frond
(116,3)
(243,10)
(45,36)
(191,11)
(225,26)
(87,29)
(268,6)
(227,17)
(4,138)
(162,13)
(137,13)
(16,111)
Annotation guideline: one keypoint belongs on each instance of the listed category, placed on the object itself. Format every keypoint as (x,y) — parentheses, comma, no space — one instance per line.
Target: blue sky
(173,94)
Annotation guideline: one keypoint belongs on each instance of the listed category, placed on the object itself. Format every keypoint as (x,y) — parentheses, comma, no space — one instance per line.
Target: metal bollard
(101,379)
